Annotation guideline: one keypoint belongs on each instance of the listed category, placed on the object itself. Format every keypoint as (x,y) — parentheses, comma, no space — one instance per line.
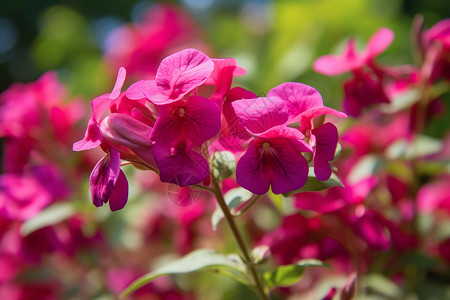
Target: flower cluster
(170,124)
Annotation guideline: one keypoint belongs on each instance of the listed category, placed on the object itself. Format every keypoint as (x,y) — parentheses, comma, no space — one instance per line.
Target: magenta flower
(140,47)
(366,87)
(362,91)
(299,237)
(22,197)
(180,130)
(304,104)
(350,59)
(33,113)
(435,44)
(178,75)
(274,157)
(108,182)
(93,136)
(184,121)
(131,137)
(225,69)
(435,196)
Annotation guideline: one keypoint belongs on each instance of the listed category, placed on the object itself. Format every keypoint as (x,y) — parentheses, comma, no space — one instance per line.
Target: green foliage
(224,165)
(198,260)
(290,274)
(51,215)
(233,198)
(313,185)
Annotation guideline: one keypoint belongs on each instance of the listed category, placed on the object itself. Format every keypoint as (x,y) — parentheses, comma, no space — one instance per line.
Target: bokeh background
(275,41)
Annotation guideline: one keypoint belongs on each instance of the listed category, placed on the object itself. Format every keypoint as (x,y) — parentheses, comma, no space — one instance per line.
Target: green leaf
(337,153)
(233,198)
(421,146)
(198,260)
(383,285)
(314,185)
(224,165)
(403,101)
(289,274)
(51,215)
(260,253)
(364,168)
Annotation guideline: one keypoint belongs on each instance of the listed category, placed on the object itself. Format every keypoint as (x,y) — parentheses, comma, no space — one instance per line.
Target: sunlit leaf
(233,198)
(364,168)
(224,165)
(51,215)
(198,260)
(383,285)
(403,101)
(260,253)
(338,151)
(314,185)
(421,146)
(290,274)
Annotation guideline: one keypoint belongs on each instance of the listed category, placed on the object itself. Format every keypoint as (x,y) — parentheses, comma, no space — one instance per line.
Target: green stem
(250,204)
(240,241)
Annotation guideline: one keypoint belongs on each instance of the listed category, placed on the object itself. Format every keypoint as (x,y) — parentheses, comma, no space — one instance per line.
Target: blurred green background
(275,41)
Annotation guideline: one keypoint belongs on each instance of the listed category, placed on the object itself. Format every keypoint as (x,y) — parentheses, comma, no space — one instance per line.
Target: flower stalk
(246,257)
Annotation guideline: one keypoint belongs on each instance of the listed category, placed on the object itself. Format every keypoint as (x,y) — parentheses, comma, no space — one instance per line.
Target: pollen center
(181,111)
(266,146)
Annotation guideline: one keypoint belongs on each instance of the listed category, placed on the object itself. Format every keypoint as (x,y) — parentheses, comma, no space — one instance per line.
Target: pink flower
(33,113)
(435,196)
(299,238)
(140,47)
(366,87)
(335,198)
(363,90)
(177,75)
(305,105)
(24,196)
(351,60)
(274,157)
(435,44)
(108,182)
(93,136)
(184,121)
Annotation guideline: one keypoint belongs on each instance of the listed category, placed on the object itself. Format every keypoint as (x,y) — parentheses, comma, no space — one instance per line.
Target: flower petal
(277,162)
(260,114)
(119,194)
(103,177)
(196,120)
(291,168)
(92,138)
(180,164)
(332,65)
(326,137)
(124,130)
(139,89)
(250,174)
(119,83)
(234,126)
(180,73)
(379,41)
(307,116)
(298,97)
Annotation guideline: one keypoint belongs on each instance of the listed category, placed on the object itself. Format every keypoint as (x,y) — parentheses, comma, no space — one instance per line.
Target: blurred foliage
(275,40)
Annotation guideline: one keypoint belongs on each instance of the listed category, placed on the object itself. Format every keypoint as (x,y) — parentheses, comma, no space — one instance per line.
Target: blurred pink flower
(36,122)
(140,47)
(351,60)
